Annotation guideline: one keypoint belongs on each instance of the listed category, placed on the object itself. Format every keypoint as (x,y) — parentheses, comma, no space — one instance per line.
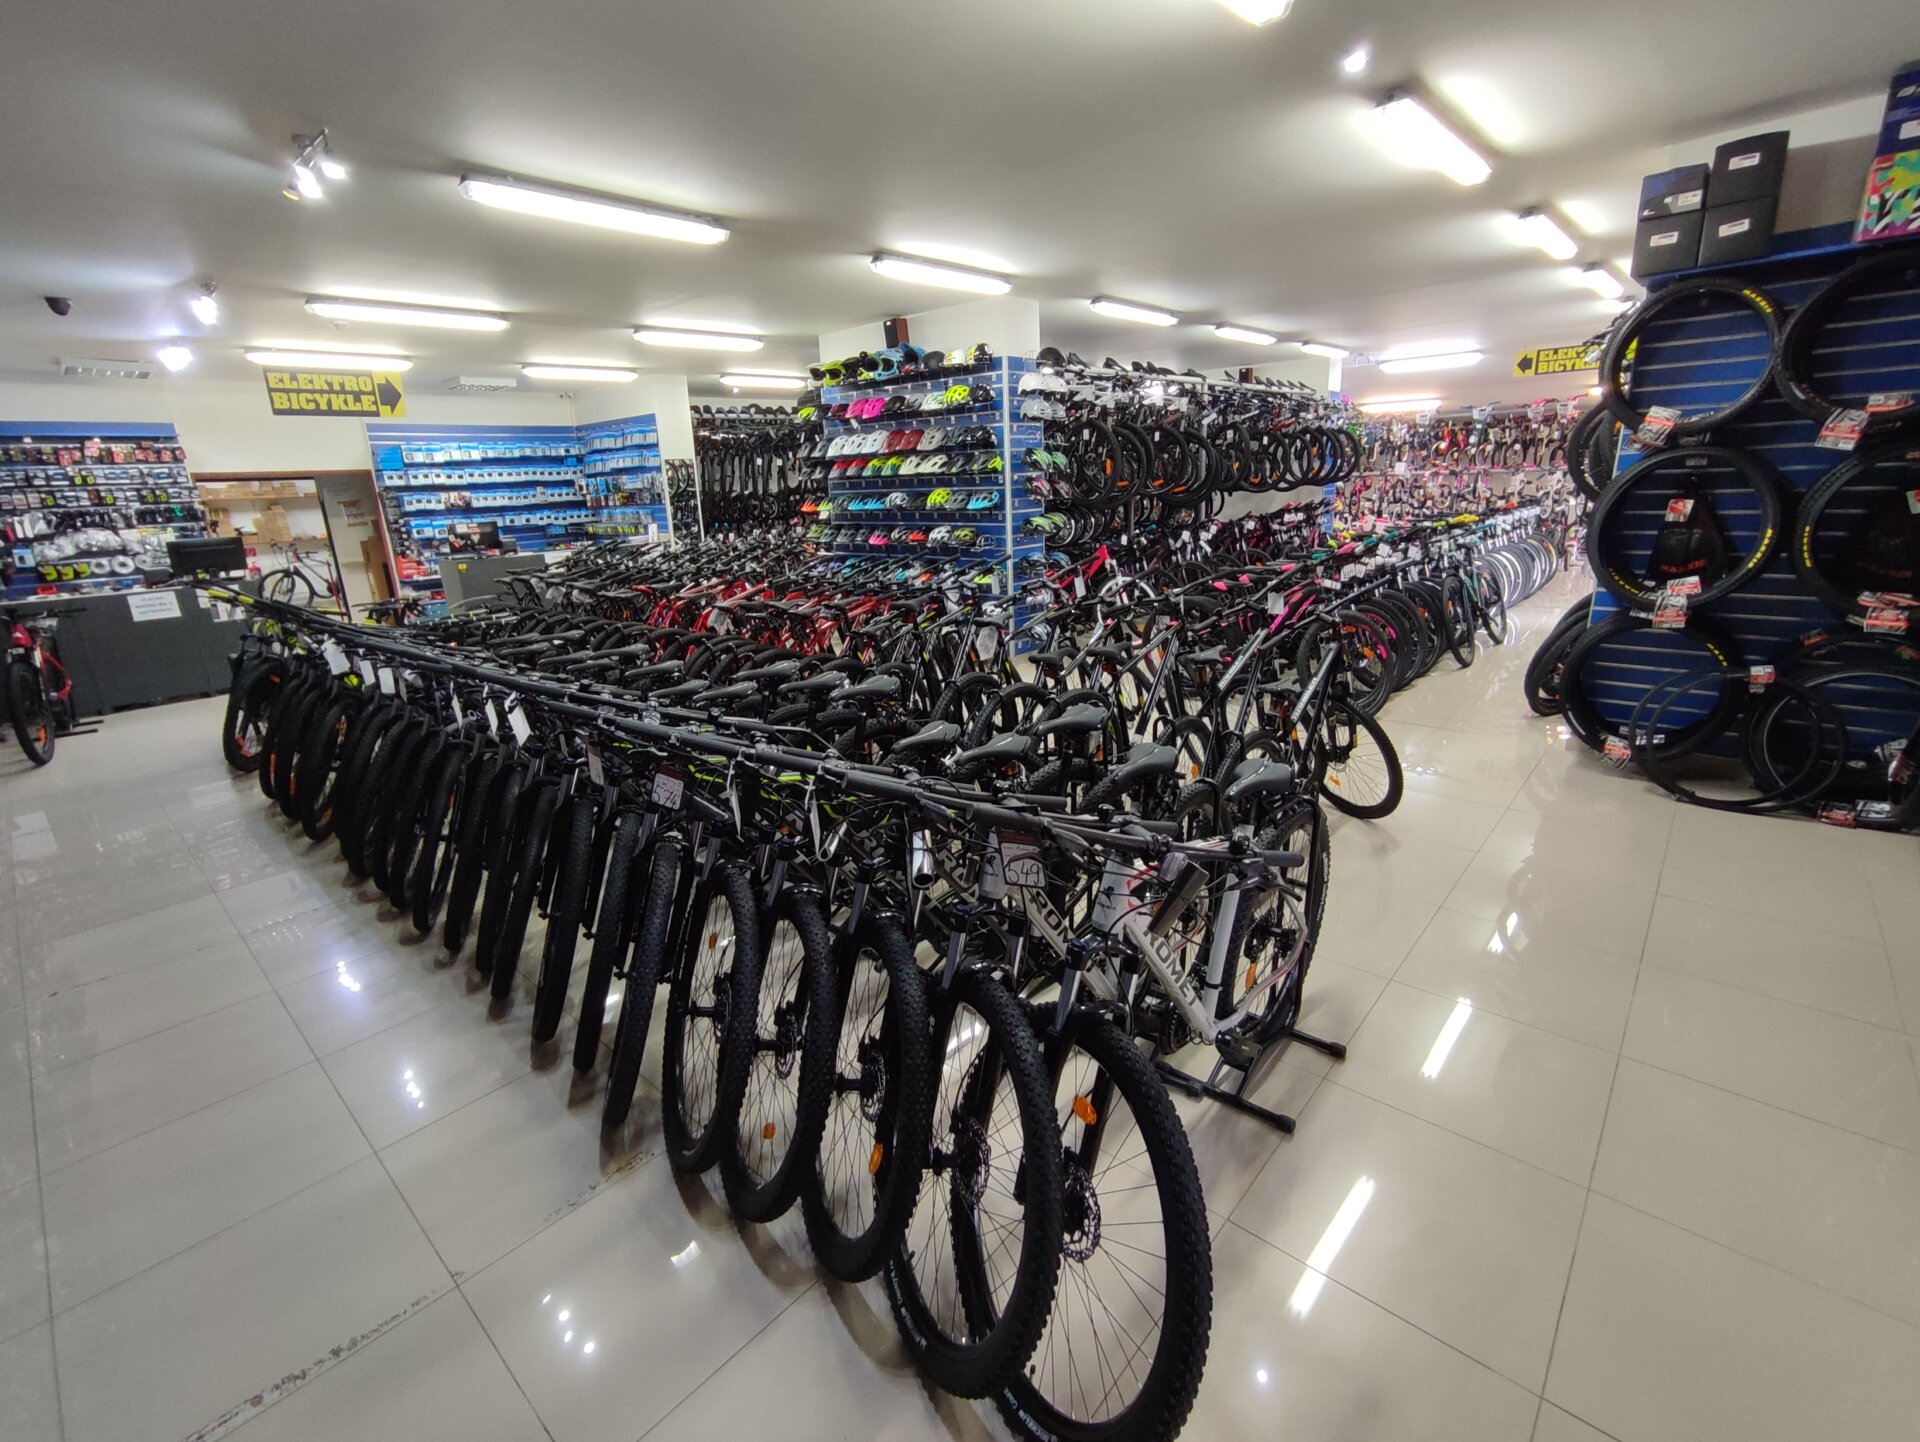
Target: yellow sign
(1557,360)
(376,395)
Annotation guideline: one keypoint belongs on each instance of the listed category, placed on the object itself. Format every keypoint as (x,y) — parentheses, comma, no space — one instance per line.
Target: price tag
(1882,402)
(1276,603)
(1759,678)
(1913,502)
(1079,588)
(668,787)
(364,669)
(1840,816)
(1021,864)
(1670,613)
(1684,586)
(459,713)
(1679,508)
(1616,751)
(1843,430)
(517,723)
(595,770)
(336,658)
(1900,765)
(1658,425)
(385,674)
(1886,620)
(495,721)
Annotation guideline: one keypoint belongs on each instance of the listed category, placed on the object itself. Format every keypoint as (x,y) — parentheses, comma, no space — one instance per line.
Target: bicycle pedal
(1237,1052)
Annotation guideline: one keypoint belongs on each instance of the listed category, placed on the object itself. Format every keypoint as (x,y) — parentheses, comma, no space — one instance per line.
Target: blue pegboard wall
(1701,361)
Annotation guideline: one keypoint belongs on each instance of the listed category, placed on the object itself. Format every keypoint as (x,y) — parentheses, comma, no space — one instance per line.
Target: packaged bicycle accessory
(1747,169)
(1691,544)
(1667,244)
(1673,192)
(1891,206)
(1742,230)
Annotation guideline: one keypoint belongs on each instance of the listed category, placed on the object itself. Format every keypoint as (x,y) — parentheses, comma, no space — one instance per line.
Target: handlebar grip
(1283,860)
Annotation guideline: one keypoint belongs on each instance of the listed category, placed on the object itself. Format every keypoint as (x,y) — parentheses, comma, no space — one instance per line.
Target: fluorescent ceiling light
(1539,230)
(330,360)
(1357,60)
(1126,310)
(585,208)
(1451,361)
(205,308)
(1414,135)
(306,182)
(1259,12)
(1328,352)
(696,339)
(927,272)
(439,319)
(550,372)
(1401,406)
(761,381)
(1241,333)
(1601,281)
(332,169)
(174,357)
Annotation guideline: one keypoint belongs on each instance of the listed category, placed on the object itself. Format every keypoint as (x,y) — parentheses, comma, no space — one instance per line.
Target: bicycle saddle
(778,671)
(1115,654)
(1257,777)
(996,752)
(814,685)
(1074,721)
(1050,660)
(658,668)
(1145,760)
(725,695)
(873,689)
(681,691)
(936,736)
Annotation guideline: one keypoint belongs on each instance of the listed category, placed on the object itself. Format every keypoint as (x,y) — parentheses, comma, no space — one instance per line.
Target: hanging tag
(1021,864)
(336,658)
(1843,430)
(668,787)
(1616,751)
(1885,620)
(1276,603)
(1670,612)
(596,771)
(1657,426)
(1913,502)
(1683,586)
(385,674)
(517,723)
(495,722)
(1759,678)
(1882,402)
(1899,761)
(363,669)
(1845,816)
(1079,588)
(459,714)
(1679,508)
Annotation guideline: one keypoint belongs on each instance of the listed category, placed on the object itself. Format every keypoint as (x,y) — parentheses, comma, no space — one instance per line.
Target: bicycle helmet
(878,538)
(981,394)
(899,501)
(893,406)
(963,536)
(933,401)
(917,537)
(940,498)
(934,439)
(958,394)
(1041,381)
(983,500)
(886,365)
(939,535)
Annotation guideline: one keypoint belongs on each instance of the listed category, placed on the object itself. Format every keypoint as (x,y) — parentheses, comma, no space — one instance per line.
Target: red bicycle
(39,690)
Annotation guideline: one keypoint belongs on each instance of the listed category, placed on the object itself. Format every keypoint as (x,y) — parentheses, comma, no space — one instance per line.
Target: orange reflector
(766,1132)
(875,1157)
(713,940)
(1332,780)
(1083,1108)
(1252,971)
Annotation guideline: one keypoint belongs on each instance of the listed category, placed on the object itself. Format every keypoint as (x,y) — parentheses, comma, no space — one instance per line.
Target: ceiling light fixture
(205,307)
(1413,134)
(1326,352)
(928,272)
(174,357)
(1401,405)
(1259,12)
(696,339)
(1242,333)
(335,308)
(306,182)
(1541,231)
(1357,60)
(1127,310)
(313,153)
(762,381)
(557,372)
(1445,361)
(583,207)
(1601,281)
(328,360)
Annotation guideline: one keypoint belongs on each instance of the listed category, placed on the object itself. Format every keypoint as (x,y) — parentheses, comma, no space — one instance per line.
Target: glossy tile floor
(1628,1144)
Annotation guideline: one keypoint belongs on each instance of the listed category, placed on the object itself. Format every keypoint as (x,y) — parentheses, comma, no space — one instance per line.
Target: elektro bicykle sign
(369,395)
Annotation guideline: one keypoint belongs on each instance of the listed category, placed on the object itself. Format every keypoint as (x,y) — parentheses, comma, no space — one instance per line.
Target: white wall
(1008,324)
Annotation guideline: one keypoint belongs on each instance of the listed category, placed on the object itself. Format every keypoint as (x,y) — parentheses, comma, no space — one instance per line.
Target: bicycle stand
(1244,1062)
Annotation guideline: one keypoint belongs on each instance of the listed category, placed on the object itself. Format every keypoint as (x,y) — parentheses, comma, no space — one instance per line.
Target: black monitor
(208,556)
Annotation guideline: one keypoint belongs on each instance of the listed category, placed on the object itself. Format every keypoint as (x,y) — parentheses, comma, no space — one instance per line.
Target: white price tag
(668,787)
(1079,588)
(336,658)
(595,769)
(459,714)
(387,686)
(364,669)
(517,723)
(1021,864)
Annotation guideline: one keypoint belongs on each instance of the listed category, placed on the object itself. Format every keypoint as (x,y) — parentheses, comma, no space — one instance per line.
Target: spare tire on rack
(1857,532)
(1644,655)
(1677,303)
(1664,508)
(1796,357)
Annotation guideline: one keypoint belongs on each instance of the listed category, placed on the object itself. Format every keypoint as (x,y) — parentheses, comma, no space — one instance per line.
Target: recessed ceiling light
(1329,352)
(1244,334)
(174,357)
(1401,406)
(1601,281)
(1413,134)
(762,381)
(1541,231)
(556,372)
(1259,12)
(609,212)
(696,339)
(1357,60)
(330,360)
(1447,361)
(1127,310)
(928,272)
(205,308)
(440,319)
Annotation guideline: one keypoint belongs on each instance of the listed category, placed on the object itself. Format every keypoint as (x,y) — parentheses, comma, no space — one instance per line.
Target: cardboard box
(1741,231)
(1660,246)
(1747,169)
(1891,206)
(1673,192)
(272,527)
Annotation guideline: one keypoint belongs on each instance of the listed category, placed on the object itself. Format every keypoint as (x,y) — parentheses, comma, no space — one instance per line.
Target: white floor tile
(1369,930)
(1335,1003)
(119,1212)
(1552,983)
(273,898)
(1230,1147)
(1555,1425)
(578,1310)
(1522,1091)
(199,1337)
(1774,868)
(1375,858)
(23,1261)
(195,925)
(1898,912)
(1466,1244)
(313,942)
(14,1068)
(359,996)
(1448,820)
(429,1066)
(1552,905)
(1818,1065)
(85,1021)
(1668,1337)
(433,1375)
(95,1104)
(1320,1361)
(29,1398)
(18,1162)
(1630,857)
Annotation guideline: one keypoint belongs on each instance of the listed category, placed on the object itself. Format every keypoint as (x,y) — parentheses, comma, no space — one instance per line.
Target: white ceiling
(1157,150)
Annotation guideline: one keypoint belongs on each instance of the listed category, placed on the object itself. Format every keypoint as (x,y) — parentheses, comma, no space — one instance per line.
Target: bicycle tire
(528,870)
(503,822)
(436,859)
(651,937)
(572,842)
(249,702)
(318,765)
(613,931)
(706,990)
(1637,590)
(1626,334)
(27,707)
(1794,356)
(1331,785)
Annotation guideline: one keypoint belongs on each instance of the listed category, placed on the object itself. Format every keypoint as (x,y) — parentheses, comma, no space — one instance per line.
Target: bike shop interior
(1106,720)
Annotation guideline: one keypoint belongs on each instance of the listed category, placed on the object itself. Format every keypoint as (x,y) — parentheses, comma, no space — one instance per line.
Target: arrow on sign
(389,394)
(1524,365)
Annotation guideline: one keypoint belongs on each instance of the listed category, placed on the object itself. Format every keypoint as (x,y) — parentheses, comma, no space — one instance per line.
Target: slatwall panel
(1703,360)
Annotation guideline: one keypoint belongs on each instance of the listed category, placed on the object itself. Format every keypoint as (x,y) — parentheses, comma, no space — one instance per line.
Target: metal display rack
(1706,361)
(623,477)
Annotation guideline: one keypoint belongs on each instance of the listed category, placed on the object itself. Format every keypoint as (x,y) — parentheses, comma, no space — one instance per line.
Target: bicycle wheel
(1275,931)
(249,703)
(993,1187)
(709,1045)
(858,1192)
(1126,1341)
(32,717)
(613,930)
(502,825)
(530,853)
(1362,773)
(573,840)
(651,936)
(319,767)
(469,846)
(784,1106)
(434,864)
